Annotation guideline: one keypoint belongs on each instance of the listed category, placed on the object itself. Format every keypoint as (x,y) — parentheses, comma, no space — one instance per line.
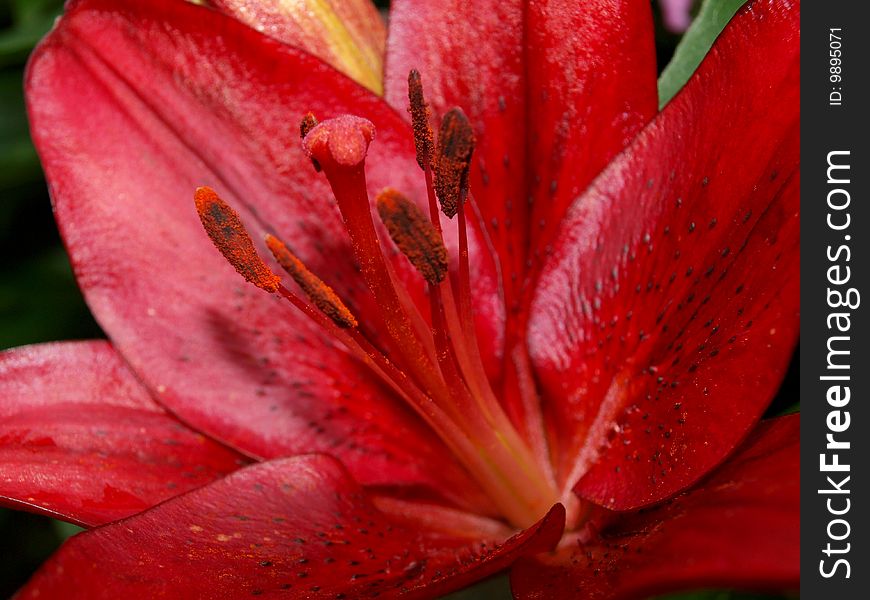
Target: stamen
(430,363)
(413,233)
(323,296)
(228,234)
(308,123)
(455,145)
(340,145)
(420,120)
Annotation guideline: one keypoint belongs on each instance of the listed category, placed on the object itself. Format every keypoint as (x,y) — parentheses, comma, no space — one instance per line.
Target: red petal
(554,89)
(597,90)
(738,529)
(669,310)
(133,106)
(349,35)
(299,526)
(81,439)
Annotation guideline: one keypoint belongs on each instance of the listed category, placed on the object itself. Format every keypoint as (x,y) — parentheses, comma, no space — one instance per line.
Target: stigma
(428,355)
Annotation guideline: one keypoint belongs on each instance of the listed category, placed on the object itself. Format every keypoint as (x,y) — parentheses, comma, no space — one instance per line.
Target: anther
(413,233)
(455,145)
(420,119)
(309,122)
(228,234)
(320,294)
(343,141)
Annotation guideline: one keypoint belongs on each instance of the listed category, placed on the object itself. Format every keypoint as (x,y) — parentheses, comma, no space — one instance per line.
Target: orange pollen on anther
(455,145)
(413,233)
(309,122)
(227,233)
(323,296)
(420,119)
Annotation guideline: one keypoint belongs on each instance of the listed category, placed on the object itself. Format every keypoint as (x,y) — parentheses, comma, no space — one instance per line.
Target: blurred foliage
(24,22)
(39,300)
(17,156)
(38,297)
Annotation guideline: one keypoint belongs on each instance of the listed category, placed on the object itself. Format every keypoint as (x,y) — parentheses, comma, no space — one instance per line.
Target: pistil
(453,382)
(340,147)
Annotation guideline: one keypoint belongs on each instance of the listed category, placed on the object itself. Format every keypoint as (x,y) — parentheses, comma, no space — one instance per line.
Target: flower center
(434,364)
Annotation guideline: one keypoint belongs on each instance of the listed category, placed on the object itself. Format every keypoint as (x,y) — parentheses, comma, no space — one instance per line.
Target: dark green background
(39,300)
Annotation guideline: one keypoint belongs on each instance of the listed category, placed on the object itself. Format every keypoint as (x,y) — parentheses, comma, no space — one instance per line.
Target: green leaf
(790,410)
(65,530)
(692,49)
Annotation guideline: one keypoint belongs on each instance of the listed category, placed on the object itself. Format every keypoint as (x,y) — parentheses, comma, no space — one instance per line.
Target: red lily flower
(549,382)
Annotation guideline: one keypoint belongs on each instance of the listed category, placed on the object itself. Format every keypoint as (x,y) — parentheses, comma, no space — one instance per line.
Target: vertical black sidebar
(835,261)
